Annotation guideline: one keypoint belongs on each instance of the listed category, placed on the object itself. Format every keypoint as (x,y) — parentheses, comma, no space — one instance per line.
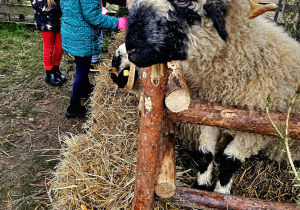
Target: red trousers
(52,48)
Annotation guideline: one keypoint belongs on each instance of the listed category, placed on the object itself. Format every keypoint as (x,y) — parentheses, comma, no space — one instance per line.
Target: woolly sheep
(227,59)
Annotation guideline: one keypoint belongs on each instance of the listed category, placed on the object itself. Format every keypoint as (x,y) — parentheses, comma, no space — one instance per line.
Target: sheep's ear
(217,11)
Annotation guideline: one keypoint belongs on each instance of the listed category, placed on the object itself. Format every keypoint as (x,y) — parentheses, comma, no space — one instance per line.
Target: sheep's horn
(258,9)
(113,70)
(130,82)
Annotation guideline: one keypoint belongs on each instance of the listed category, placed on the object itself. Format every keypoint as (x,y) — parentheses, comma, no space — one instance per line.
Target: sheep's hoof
(206,187)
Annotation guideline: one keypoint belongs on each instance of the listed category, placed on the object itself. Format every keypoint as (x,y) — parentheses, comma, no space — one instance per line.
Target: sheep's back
(258,62)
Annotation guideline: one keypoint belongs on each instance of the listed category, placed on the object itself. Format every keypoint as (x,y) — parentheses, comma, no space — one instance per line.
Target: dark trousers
(81,79)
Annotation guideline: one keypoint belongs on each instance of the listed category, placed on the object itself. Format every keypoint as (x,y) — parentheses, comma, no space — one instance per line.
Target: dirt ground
(31,122)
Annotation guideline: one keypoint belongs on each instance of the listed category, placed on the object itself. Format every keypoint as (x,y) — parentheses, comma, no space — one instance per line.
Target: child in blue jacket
(82,22)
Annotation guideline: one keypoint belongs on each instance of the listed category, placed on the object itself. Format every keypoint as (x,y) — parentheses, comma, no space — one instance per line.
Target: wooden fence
(155,167)
(18,13)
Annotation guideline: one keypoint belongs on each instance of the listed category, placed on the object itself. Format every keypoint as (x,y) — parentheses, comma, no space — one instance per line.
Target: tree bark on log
(235,119)
(166,170)
(197,198)
(177,95)
(154,80)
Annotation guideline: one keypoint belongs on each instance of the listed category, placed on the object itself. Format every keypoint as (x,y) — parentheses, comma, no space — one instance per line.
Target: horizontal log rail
(25,10)
(234,118)
(198,198)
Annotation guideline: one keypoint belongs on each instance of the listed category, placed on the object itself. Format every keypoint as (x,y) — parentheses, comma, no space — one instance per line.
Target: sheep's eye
(182,3)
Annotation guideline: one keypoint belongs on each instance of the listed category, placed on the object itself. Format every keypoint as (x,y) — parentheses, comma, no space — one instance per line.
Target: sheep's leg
(206,151)
(243,146)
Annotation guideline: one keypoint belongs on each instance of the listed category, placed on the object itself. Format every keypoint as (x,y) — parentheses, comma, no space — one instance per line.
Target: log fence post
(154,80)
(166,168)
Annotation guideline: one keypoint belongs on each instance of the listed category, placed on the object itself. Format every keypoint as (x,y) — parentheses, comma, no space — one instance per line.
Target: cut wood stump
(177,95)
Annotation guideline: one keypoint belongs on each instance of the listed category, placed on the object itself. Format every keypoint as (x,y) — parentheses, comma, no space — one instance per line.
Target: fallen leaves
(19,134)
(47,121)
(11,167)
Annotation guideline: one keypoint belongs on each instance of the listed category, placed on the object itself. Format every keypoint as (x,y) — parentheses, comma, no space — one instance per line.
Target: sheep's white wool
(223,189)
(258,62)
(121,52)
(205,178)
(158,5)
(245,145)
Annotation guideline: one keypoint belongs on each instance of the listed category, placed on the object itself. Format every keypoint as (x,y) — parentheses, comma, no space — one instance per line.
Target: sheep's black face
(151,38)
(120,63)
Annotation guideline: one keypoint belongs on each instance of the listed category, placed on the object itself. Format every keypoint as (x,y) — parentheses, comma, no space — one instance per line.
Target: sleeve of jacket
(92,13)
(41,6)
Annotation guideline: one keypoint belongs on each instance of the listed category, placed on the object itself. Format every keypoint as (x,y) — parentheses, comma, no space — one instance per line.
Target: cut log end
(178,101)
(165,189)
(177,96)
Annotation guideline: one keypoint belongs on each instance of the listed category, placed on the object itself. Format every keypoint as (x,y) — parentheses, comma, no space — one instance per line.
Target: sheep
(227,59)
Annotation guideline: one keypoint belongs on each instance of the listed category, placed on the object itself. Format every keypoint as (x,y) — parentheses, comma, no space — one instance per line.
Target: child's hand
(122,25)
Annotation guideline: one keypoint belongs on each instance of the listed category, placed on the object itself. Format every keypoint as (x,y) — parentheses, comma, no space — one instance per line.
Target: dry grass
(97,168)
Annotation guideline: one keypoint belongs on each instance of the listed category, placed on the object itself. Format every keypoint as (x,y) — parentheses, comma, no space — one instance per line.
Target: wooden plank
(16,9)
(5,16)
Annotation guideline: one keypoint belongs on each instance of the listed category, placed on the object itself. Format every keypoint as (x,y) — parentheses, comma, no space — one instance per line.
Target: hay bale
(97,168)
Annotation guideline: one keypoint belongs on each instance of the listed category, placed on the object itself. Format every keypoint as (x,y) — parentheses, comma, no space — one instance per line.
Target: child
(95,58)
(82,22)
(47,16)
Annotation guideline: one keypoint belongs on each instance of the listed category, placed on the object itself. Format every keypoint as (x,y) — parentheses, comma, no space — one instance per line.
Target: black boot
(51,79)
(58,74)
(75,109)
(87,90)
